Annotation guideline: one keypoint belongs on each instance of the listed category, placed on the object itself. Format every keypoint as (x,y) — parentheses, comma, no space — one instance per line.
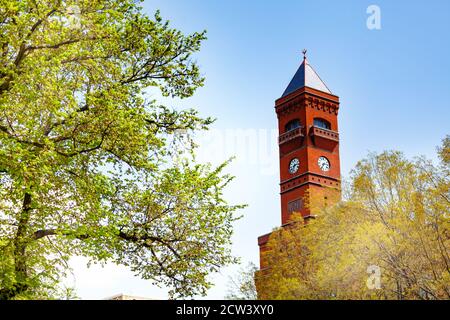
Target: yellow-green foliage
(86,162)
(396,218)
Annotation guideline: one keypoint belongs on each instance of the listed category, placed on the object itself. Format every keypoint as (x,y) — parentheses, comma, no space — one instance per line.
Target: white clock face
(294,165)
(324,164)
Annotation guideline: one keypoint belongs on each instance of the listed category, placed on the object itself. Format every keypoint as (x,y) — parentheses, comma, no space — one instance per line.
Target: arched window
(291,125)
(322,124)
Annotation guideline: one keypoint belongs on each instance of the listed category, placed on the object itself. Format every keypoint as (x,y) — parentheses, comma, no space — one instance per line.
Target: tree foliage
(395,221)
(242,286)
(86,162)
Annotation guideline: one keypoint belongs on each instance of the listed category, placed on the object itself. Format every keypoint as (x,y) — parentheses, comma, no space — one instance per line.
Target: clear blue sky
(393,84)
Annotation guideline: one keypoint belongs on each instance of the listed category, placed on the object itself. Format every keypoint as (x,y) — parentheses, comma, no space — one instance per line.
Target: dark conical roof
(306,77)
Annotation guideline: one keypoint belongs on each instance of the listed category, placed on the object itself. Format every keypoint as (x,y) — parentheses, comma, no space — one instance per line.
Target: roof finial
(304,53)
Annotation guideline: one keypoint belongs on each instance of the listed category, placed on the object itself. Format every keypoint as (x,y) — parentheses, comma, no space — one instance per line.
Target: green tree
(86,162)
(241,286)
(396,220)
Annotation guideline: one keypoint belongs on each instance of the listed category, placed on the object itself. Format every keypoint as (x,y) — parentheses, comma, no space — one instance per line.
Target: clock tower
(308,141)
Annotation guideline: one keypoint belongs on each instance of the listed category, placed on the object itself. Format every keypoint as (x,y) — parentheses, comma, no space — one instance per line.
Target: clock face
(294,165)
(324,164)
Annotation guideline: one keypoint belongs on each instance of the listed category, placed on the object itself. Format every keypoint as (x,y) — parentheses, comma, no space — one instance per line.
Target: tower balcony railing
(324,133)
(290,135)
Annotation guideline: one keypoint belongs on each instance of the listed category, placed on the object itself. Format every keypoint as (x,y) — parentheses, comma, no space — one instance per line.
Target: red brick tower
(309,145)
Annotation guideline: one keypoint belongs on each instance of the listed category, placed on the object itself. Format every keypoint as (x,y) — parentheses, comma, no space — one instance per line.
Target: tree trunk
(20,245)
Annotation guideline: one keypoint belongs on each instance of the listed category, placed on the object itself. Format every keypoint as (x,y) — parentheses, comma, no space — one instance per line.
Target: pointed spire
(306,77)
